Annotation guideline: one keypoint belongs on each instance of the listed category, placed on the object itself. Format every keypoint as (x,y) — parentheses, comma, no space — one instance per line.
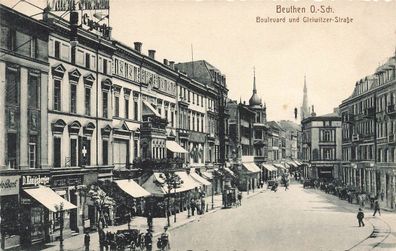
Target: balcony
(369,112)
(391,111)
(355,137)
(350,118)
(392,139)
(183,102)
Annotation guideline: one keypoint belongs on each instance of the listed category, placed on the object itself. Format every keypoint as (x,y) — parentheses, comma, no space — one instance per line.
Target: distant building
(321,139)
(292,133)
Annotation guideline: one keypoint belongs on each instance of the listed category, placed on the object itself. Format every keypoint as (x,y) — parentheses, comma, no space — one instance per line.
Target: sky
(333,56)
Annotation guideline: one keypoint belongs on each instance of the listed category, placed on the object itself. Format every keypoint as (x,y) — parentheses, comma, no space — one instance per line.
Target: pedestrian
(286,185)
(240,198)
(382,195)
(87,239)
(192,205)
(360,217)
(377,208)
(148,240)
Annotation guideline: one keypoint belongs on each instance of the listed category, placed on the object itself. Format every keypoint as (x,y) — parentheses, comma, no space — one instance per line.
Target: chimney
(138,46)
(165,61)
(151,54)
(313,114)
(172,64)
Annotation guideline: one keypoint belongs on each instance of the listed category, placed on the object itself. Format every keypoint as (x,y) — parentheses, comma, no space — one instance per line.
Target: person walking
(360,217)
(87,240)
(377,208)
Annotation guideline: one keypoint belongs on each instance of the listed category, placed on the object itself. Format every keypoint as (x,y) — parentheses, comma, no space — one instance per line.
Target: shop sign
(9,185)
(67,181)
(26,201)
(35,180)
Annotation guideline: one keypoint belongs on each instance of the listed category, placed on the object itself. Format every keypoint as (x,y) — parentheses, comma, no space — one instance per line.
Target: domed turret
(255,100)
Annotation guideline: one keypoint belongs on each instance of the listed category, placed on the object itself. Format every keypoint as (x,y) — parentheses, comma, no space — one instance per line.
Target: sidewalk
(77,242)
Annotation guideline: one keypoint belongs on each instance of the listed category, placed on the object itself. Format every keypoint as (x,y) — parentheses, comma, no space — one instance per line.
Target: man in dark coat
(360,217)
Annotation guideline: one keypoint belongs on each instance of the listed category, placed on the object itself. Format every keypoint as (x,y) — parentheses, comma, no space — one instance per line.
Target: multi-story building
(321,139)
(23,115)
(274,141)
(368,127)
(292,130)
(216,97)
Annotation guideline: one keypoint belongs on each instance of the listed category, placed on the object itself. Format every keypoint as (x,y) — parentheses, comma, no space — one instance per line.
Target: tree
(102,203)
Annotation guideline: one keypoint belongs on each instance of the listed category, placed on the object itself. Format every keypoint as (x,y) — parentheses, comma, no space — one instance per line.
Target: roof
(288,125)
(329,116)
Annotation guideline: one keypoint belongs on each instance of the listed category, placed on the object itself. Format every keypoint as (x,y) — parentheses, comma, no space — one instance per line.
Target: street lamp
(59,209)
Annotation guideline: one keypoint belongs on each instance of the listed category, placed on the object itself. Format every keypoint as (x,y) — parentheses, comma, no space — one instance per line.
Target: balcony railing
(391,138)
(391,111)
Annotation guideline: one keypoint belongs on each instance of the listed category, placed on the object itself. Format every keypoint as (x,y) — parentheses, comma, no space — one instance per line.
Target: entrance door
(73,212)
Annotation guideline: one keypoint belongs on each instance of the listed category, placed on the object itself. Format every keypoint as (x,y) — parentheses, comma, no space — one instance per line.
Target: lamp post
(59,209)
(174,202)
(212,195)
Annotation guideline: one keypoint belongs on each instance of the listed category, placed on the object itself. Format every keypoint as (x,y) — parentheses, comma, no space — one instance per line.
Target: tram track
(381,229)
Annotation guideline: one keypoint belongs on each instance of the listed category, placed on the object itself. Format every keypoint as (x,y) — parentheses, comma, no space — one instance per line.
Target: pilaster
(23,129)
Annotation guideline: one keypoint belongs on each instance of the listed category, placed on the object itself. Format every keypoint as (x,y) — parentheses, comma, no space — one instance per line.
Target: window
(80,57)
(57,152)
(86,151)
(135,110)
(193,98)
(34,91)
(105,105)
(88,101)
(32,155)
(12,86)
(33,47)
(73,98)
(57,95)
(117,106)
(202,101)
(57,49)
(197,99)
(105,152)
(12,40)
(326,136)
(104,66)
(126,108)
(198,118)
(73,151)
(327,153)
(12,146)
(87,60)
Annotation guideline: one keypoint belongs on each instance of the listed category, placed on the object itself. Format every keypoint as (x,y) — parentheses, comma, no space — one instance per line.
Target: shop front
(67,186)
(9,211)
(43,211)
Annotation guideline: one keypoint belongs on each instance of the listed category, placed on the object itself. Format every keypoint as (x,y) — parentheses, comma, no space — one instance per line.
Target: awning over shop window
(200,179)
(250,166)
(269,167)
(188,182)
(148,109)
(132,188)
(175,147)
(298,162)
(157,185)
(48,198)
(279,166)
(207,175)
(229,171)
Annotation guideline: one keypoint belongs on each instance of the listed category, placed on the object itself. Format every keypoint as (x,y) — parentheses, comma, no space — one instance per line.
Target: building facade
(368,129)
(321,139)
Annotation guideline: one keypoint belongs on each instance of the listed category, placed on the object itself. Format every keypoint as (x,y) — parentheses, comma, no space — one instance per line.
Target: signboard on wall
(35,180)
(9,185)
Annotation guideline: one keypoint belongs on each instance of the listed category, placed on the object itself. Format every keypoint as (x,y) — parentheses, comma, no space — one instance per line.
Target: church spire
(254,80)
(304,107)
